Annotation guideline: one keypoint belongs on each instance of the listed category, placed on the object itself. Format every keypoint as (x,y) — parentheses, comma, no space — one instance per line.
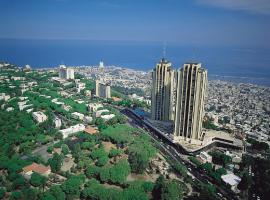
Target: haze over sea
(239,64)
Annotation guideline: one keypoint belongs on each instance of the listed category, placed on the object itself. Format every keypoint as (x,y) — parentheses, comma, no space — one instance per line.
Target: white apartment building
(71,130)
(99,112)
(39,116)
(77,115)
(93,107)
(107,117)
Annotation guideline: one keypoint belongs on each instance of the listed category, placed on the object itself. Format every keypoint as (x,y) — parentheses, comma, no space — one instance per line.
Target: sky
(242,23)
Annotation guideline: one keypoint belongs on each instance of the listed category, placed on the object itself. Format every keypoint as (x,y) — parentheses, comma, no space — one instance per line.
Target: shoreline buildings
(179,96)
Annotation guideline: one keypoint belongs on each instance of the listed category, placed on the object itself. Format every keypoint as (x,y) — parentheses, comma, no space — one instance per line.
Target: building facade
(191,89)
(65,72)
(161,104)
(103,90)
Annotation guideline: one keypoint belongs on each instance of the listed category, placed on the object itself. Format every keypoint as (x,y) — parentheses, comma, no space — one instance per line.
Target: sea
(233,63)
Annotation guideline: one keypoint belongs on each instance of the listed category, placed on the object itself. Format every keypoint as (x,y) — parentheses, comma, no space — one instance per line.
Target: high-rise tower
(191,88)
(162,91)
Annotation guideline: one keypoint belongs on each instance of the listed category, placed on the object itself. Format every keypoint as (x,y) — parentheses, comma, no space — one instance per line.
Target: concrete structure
(161,91)
(80,86)
(205,157)
(65,72)
(191,86)
(98,113)
(232,180)
(87,119)
(39,116)
(57,122)
(77,115)
(4,97)
(71,130)
(107,117)
(93,107)
(103,90)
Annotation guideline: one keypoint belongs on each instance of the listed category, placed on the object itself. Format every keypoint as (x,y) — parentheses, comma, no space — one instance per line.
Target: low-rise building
(71,130)
(39,116)
(77,115)
(4,97)
(80,86)
(107,117)
(93,107)
(99,112)
(87,119)
(232,180)
(205,157)
(37,168)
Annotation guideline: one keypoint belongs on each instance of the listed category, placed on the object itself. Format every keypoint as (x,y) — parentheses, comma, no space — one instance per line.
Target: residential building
(4,97)
(191,87)
(232,180)
(107,117)
(161,91)
(103,90)
(98,113)
(205,157)
(65,72)
(39,116)
(77,115)
(80,86)
(71,130)
(93,107)
(37,168)
(57,122)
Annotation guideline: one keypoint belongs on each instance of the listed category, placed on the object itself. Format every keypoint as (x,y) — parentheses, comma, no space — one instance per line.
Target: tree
(171,191)
(207,192)
(37,180)
(2,193)
(55,192)
(15,195)
(55,162)
(72,186)
(139,154)
(245,182)
(65,149)
(30,193)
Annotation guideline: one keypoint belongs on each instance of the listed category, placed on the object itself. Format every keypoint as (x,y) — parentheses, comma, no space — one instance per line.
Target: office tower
(66,73)
(162,77)
(103,90)
(191,87)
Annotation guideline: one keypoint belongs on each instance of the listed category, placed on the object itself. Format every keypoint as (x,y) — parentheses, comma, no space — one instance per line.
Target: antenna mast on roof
(164,49)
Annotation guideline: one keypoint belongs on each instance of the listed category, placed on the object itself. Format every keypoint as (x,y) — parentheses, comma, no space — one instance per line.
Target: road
(177,156)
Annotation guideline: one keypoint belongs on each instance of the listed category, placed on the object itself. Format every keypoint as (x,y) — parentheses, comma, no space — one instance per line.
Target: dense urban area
(79,133)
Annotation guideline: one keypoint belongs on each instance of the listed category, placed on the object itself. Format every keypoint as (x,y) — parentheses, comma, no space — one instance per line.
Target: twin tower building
(179,96)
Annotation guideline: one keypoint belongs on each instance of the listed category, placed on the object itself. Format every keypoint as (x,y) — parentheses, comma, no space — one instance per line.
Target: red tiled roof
(41,169)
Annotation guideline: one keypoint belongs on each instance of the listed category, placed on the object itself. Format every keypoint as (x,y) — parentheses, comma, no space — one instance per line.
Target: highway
(166,147)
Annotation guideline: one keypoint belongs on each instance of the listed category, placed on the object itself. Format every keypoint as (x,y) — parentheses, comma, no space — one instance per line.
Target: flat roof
(231,179)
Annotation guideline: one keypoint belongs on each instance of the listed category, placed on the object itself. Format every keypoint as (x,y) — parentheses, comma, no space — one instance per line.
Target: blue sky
(198,22)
